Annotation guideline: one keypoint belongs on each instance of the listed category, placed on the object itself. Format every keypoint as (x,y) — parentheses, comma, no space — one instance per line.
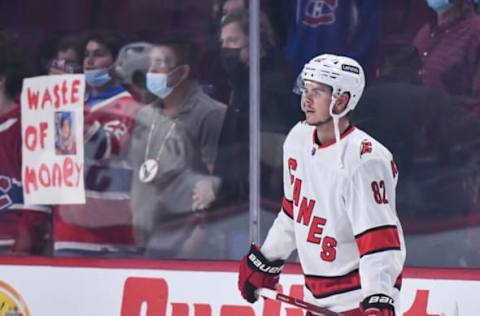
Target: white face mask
(157,84)
(97,77)
(439,5)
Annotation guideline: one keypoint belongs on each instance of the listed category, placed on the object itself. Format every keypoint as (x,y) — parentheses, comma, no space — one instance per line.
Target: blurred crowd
(166,119)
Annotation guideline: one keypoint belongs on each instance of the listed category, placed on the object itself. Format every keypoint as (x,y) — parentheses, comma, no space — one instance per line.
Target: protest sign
(52,139)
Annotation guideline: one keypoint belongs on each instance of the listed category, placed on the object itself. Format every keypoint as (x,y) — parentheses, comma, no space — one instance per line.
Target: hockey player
(339,205)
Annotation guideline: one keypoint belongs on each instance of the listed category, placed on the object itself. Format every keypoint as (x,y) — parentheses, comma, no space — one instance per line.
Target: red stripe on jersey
(287,207)
(323,286)
(378,239)
(398,282)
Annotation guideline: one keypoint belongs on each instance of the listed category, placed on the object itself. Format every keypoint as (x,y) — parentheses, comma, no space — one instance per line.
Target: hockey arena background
(438,201)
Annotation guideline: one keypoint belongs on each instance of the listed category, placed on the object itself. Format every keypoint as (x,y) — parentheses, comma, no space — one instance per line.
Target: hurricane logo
(11,303)
(320,12)
(365,147)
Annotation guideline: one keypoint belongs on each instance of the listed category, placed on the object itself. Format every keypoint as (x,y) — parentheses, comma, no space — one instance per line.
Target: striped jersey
(23,228)
(342,221)
(104,223)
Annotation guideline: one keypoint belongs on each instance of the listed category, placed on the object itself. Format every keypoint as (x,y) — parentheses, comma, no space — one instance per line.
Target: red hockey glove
(257,271)
(378,305)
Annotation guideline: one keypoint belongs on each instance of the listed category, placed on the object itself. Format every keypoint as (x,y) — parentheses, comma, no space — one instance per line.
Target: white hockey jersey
(342,221)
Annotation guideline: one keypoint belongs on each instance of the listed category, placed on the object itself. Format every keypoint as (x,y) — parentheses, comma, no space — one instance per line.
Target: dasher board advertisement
(200,289)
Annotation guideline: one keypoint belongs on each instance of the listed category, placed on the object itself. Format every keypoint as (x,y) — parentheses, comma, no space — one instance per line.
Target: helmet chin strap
(336,127)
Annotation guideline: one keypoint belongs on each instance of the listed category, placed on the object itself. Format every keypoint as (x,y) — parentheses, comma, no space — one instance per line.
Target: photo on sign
(65,142)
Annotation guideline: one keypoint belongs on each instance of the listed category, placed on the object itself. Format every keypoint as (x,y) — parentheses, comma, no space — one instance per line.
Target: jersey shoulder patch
(366,147)
(362,147)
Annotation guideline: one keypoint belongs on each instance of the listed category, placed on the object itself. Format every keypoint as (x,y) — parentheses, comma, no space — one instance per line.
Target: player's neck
(6,104)
(326,132)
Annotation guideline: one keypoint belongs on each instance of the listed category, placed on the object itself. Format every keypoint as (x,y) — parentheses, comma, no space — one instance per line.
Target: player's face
(316,99)
(97,56)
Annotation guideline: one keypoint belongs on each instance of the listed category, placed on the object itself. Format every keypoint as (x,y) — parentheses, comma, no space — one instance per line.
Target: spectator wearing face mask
(450,50)
(174,144)
(172,78)
(102,226)
(277,114)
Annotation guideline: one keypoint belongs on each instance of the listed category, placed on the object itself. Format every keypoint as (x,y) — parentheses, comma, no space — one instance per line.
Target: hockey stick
(274,295)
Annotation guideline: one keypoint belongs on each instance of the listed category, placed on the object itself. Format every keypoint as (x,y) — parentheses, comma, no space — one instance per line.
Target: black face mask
(231,61)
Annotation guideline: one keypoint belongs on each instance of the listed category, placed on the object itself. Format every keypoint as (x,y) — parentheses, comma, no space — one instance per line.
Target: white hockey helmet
(341,73)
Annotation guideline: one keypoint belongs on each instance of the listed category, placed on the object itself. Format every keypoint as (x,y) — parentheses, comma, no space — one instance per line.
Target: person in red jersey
(102,226)
(23,228)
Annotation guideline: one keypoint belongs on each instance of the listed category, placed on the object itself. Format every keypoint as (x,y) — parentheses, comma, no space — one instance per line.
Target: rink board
(146,288)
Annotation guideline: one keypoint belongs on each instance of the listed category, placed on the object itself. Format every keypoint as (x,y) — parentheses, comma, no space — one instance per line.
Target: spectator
(211,73)
(350,27)
(450,48)
(131,67)
(102,226)
(24,229)
(214,75)
(174,144)
(68,57)
(277,113)
(172,78)
(403,18)
(160,154)
(435,144)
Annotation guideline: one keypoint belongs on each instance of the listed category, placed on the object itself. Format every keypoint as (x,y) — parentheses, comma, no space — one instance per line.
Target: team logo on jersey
(11,303)
(365,147)
(116,127)
(10,192)
(319,12)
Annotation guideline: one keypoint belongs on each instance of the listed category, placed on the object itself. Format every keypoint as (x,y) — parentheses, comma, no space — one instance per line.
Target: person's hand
(378,305)
(203,195)
(255,272)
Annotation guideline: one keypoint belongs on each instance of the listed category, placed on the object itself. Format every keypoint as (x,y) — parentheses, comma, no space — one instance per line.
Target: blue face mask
(97,77)
(157,84)
(438,5)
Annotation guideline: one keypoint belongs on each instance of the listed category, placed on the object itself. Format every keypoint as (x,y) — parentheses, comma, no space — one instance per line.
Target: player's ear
(342,102)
